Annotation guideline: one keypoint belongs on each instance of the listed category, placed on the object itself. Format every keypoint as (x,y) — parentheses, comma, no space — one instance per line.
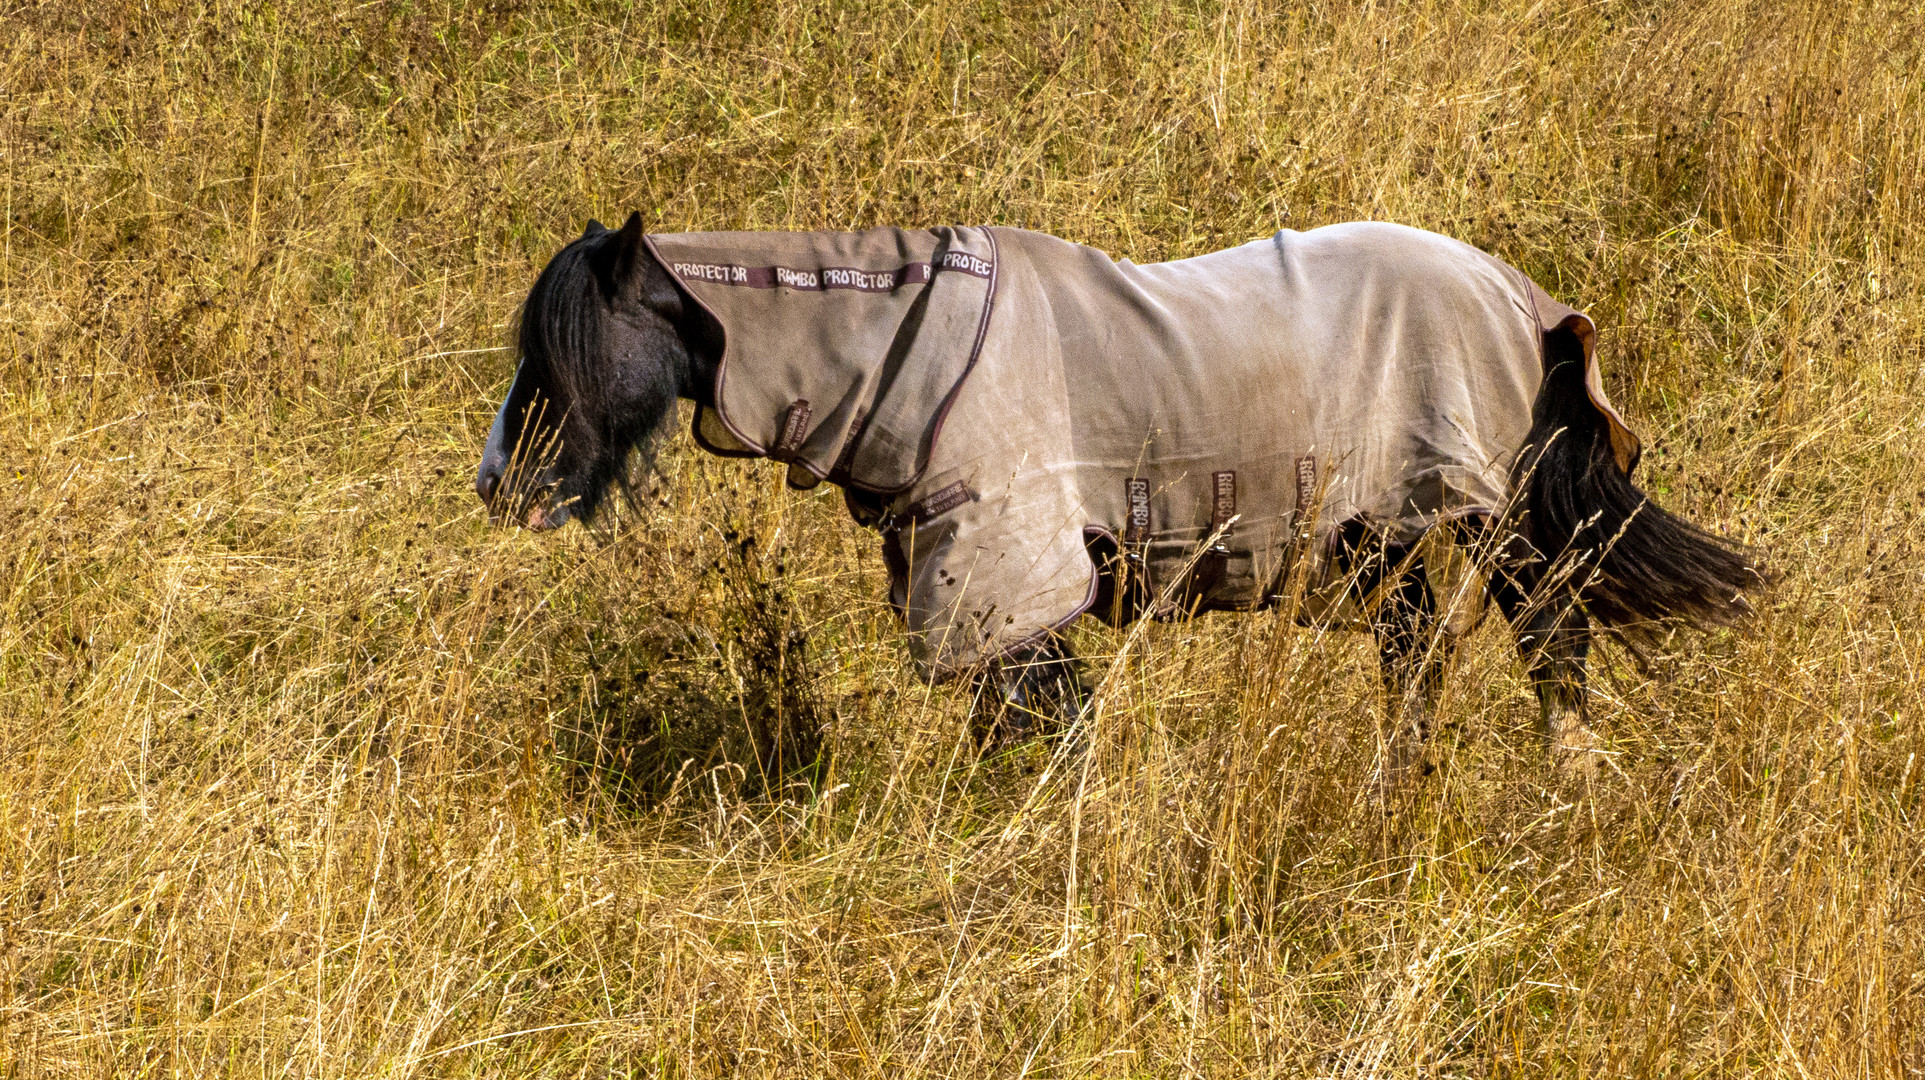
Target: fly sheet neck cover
(842,351)
(1007,394)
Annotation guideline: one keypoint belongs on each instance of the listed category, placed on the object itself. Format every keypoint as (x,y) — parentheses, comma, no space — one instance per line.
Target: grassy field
(305,771)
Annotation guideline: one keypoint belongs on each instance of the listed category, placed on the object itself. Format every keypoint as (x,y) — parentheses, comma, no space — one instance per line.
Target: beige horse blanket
(1004,395)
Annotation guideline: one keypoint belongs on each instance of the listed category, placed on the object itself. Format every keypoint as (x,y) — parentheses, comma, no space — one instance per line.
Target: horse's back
(1404,360)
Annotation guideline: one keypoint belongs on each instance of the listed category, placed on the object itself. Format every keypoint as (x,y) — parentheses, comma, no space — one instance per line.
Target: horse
(1039,432)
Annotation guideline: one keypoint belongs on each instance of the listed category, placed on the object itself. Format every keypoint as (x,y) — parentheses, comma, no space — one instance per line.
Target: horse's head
(602,362)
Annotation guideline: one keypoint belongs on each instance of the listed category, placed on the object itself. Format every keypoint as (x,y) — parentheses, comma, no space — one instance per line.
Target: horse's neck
(700,334)
(702,346)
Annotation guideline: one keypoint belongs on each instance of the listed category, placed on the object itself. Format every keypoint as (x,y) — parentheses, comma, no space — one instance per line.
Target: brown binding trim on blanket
(701,440)
(825,278)
(975,350)
(938,676)
(847,455)
(1625,444)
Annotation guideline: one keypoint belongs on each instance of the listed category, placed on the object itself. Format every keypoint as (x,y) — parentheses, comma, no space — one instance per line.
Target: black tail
(1637,561)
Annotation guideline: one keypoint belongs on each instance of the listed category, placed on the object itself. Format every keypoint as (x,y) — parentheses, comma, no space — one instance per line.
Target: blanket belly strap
(1212,567)
(938,503)
(1224,506)
(795,431)
(787,448)
(1306,494)
(1136,530)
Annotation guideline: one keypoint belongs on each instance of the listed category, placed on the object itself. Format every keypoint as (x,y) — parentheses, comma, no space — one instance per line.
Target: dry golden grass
(308,772)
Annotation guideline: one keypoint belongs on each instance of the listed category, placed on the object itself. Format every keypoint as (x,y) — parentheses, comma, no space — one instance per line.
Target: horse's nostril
(486,482)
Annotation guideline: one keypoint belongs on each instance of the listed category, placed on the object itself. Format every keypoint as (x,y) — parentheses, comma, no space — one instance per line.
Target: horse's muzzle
(488,480)
(514,504)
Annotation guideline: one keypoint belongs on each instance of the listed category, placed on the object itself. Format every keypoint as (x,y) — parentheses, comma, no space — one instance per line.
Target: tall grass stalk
(305,771)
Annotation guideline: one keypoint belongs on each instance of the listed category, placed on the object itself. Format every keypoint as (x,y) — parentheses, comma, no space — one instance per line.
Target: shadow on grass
(671,700)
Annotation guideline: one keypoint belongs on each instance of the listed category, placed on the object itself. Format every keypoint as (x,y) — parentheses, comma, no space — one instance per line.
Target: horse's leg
(1411,653)
(1036,692)
(1554,638)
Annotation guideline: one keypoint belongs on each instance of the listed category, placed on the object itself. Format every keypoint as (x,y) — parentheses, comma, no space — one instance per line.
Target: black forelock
(562,324)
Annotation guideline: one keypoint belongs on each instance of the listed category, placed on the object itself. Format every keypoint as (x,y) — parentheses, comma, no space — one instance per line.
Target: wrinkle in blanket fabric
(1002,394)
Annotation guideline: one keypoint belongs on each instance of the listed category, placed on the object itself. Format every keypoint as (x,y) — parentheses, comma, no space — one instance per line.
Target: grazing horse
(1038,431)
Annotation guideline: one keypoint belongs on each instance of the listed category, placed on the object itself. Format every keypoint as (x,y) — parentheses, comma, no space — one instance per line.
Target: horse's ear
(616,258)
(595,228)
(630,237)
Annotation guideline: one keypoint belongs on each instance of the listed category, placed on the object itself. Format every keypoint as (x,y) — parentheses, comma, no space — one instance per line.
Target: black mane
(601,360)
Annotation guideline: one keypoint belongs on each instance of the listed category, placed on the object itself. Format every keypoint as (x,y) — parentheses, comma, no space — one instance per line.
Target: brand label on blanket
(795,429)
(1137,529)
(1306,491)
(825,278)
(941,502)
(1224,485)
